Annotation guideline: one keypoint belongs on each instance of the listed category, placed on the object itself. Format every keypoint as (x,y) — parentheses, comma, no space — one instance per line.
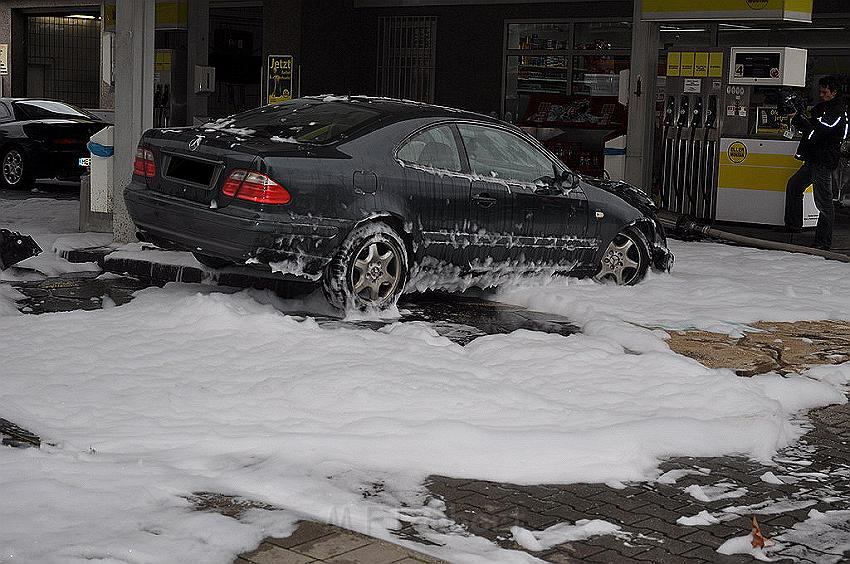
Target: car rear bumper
(53,163)
(237,234)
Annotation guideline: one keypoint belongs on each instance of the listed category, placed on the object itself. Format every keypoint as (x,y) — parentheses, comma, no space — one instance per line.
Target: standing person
(819,150)
(841,177)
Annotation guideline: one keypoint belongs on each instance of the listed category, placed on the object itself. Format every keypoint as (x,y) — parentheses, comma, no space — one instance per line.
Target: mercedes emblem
(195,143)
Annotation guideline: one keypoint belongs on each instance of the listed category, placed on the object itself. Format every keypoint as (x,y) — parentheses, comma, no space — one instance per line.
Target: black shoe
(789,229)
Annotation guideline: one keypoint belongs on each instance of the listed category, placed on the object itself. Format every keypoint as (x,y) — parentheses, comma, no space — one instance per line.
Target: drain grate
(75,291)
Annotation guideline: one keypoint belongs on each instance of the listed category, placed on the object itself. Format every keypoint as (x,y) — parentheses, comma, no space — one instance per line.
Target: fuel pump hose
(685,226)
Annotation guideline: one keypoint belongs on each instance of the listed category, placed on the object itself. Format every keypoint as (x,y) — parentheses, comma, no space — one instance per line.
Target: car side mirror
(568,180)
(547,186)
(561,183)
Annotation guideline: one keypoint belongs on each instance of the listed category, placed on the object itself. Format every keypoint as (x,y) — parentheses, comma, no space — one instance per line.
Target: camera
(790,102)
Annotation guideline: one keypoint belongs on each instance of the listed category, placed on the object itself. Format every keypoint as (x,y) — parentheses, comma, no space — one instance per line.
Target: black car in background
(373,196)
(43,139)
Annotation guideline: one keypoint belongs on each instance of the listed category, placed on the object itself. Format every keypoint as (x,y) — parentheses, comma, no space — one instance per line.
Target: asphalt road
(57,189)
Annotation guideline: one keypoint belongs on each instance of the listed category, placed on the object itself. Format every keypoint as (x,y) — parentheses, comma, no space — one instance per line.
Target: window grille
(406,48)
(67,52)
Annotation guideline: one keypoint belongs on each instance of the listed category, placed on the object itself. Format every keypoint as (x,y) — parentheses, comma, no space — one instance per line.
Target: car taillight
(66,141)
(144,164)
(255,187)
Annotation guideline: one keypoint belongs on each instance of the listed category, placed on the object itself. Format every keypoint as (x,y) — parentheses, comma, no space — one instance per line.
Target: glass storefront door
(562,84)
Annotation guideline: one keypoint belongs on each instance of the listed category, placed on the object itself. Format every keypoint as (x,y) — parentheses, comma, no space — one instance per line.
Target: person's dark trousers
(821,177)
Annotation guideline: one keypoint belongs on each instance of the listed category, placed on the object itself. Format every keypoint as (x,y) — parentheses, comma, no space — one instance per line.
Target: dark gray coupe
(375,196)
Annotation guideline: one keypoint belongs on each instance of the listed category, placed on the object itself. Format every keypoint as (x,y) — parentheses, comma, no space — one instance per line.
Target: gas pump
(758,144)
(705,204)
(681,144)
(161,105)
(728,152)
(690,134)
(693,168)
(667,152)
(169,91)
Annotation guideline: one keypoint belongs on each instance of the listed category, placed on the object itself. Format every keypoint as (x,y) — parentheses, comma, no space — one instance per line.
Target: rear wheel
(626,260)
(369,271)
(15,169)
(211,262)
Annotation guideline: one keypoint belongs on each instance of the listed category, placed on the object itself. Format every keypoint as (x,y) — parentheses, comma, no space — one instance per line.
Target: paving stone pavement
(816,471)
(319,542)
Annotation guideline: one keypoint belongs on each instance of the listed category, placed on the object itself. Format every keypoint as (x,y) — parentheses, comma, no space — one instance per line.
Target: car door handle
(484,200)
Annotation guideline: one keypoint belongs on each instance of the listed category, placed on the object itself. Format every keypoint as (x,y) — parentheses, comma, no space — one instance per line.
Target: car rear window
(300,121)
(46,109)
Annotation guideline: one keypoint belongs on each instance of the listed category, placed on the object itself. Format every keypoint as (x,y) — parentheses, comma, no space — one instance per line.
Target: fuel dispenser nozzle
(711,112)
(696,114)
(684,112)
(670,111)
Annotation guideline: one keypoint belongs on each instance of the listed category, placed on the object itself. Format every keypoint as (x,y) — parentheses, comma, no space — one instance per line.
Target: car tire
(369,271)
(626,260)
(15,173)
(211,262)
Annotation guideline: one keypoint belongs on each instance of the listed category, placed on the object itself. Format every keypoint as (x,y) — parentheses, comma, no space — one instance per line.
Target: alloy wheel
(621,261)
(13,167)
(376,272)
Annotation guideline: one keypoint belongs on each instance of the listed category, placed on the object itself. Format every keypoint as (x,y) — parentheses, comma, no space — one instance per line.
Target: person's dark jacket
(823,133)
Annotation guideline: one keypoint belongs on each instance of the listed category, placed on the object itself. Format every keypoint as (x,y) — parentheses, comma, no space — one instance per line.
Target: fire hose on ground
(686,227)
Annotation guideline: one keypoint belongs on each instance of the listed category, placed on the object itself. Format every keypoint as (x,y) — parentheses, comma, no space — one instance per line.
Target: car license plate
(85,161)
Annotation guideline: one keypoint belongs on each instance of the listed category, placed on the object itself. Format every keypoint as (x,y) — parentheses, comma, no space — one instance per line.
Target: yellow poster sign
(674,63)
(162,60)
(279,78)
(715,65)
(172,15)
(687,68)
(730,10)
(701,65)
(169,15)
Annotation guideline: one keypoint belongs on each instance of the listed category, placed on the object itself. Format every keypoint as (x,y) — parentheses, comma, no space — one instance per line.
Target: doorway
(63,58)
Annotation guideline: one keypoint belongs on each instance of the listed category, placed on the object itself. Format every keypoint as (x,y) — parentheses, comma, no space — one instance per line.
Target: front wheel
(369,271)
(626,260)
(14,169)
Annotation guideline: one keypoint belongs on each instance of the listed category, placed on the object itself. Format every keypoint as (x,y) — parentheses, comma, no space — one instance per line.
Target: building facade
(564,70)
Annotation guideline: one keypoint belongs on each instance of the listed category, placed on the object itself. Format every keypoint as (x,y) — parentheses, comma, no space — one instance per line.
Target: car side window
(495,153)
(433,148)
(5,115)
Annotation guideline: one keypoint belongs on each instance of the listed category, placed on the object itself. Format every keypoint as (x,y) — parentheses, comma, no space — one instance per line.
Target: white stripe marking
(837,120)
